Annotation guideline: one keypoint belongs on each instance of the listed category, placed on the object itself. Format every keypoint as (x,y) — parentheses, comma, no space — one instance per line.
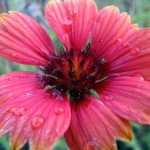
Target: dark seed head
(74,72)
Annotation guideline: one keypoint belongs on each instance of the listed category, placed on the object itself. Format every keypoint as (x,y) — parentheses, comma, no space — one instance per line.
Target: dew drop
(140,77)
(14,54)
(59,110)
(64,36)
(67,25)
(103,61)
(73,12)
(135,51)
(28,94)
(109,98)
(119,40)
(89,146)
(17,111)
(37,121)
(125,44)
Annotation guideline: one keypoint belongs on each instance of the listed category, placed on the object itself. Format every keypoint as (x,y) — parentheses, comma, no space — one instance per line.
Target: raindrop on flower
(140,77)
(119,40)
(64,36)
(103,61)
(37,121)
(89,146)
(109,98)
(125,44)
(59,110)
(73,12)
(17,111)
(14,54)
(135,51)
(28,94)
(67,25)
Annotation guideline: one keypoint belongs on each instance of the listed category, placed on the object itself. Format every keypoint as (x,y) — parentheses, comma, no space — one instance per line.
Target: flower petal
(23,40)
(12,85)
(128,97)
(69,22)
(57,119)
(32,113)
(93,125)
(134,59)
(15,83)
(109,30)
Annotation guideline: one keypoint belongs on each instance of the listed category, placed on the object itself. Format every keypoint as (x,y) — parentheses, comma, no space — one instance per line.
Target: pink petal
(12,85)
(134,59)
(127,97)
(15,83)
(110,29)
(69,22)
(46,121)
(93,126)
(23,40)
(31,113)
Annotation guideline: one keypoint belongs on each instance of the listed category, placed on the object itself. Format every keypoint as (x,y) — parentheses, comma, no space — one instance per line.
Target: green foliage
(4,143)
(60,145)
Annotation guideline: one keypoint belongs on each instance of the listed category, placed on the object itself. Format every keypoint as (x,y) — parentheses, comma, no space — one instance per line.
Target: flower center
(74,73)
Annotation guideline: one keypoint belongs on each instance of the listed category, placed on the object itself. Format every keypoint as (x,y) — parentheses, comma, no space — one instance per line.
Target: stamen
(76,73)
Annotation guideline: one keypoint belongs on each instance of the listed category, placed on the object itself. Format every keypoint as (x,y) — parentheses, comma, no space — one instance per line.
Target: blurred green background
(140,13)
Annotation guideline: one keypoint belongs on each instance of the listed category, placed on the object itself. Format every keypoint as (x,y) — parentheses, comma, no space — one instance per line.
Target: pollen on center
(75,73)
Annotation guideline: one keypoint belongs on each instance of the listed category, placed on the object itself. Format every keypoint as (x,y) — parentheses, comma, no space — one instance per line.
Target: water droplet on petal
(140,77)
(59,110)
(14,54)
(17,111)
(37,121)
(64,36)
(103,61)
(135,51)
(125,44)
(109,98)
(67,25)
(28,94)
(73,12)
(119,40)
(57,130)
(24,82)
(89,146)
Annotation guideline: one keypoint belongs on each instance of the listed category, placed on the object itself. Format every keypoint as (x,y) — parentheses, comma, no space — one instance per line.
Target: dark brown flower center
(75,73)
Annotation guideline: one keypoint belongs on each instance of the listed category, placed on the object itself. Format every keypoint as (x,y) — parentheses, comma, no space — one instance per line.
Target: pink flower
(103,53)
